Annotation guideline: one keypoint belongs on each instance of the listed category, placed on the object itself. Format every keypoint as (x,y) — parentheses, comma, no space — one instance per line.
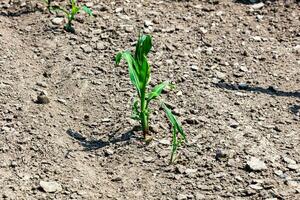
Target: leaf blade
(157,90)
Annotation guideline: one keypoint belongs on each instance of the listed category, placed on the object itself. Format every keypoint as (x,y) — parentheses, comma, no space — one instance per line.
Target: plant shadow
(270,90)
(92,144)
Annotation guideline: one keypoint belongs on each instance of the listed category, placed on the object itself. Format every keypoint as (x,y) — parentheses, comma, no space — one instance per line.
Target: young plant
(71,13)
(139,72)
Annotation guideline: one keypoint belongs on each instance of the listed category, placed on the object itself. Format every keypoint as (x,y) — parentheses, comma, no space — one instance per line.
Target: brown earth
(237,74)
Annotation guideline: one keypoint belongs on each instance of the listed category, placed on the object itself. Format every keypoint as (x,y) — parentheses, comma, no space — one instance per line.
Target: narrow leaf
(156,91)
(131,67)
(87,10)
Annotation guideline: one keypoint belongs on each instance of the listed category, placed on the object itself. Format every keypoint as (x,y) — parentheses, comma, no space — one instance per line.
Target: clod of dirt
(255,164)
(42,98)
(51,186)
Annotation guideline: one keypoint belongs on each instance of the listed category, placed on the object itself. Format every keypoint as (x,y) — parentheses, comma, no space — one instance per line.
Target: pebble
(199,196)
(181,197)
(258,5)
(42,99)
(233,123)
(148,159)
(50,186)
(194,68)
(220,75)
(288,160)
(257,38)
(148,23)
(293,166)
(57,20)
(255,187)
(255,164)
(86,48)
(209,51)
(100,46)
(164,141)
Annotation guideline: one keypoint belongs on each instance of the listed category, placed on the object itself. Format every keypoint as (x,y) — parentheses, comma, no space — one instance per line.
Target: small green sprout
(70,14)
(139,72)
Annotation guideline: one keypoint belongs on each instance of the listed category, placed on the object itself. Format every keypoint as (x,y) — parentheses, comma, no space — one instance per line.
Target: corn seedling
(139,72)
(71,13)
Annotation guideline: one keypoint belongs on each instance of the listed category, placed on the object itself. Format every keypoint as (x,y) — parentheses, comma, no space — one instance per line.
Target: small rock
(258,5)
(50,186)
(119,9)
(100,46)
(233,123)
(243,68)
(86,48)
(148,159)
(288,160)
(57,20)
(257,38)
(255,187)
(164,141)
(42,84)
(42,98)
(220,75)
(209,51)
(148,23)
(189,171)
(220,155)
(181,197)
(293,166)
(243,86)
(199,196)
(255,164)
(116,179)
(194,68)
(108,152)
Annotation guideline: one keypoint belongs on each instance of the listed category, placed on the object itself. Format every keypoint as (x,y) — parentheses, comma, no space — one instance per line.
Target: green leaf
(87,10)
(144,72)
(118,58)
(174,121)
(135,110)
(143,47)
(156,91)
(75,10)
(131,67)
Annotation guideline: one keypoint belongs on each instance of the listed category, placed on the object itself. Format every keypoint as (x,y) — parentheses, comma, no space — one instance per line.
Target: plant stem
(144,115)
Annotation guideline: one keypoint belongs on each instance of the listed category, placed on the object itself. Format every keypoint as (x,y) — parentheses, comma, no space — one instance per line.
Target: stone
(57,20)
(86,48)
(220,75)
(255,187)
(181,197)
(42,99)
(288,160)
(148,23)
(233,123)
(258,5)
(293,166)
(50,186)
(257,38)
(100,46)
(194,68)
(255,164)
(199,196)
(148,159)
(164,141)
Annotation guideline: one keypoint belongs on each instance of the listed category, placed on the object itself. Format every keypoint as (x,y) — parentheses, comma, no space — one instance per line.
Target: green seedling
(139,72)
(71,13)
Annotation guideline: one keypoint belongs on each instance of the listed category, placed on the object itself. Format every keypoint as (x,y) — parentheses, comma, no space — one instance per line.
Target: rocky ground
(236,68)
